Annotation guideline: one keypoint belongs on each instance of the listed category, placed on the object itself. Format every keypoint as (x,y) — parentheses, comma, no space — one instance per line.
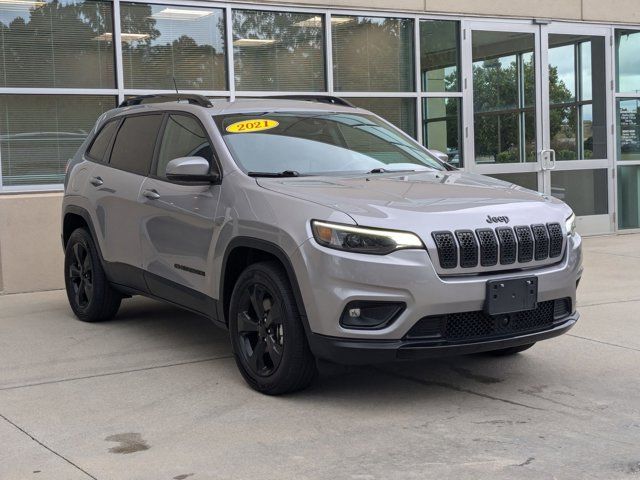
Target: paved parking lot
(155,395)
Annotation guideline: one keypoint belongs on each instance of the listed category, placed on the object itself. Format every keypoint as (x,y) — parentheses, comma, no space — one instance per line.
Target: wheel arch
(244,251)
(77,217)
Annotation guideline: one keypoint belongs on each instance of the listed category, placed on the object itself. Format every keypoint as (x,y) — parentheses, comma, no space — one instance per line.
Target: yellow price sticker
(253,125)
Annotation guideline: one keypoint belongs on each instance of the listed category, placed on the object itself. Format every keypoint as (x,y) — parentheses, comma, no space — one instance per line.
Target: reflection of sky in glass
(629,63)
(585,79)
(9,12)
(204,30)
(563,59)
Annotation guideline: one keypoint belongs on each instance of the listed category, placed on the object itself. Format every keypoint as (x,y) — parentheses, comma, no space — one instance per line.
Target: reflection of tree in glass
(291,57)
(171,48)
(498,108)
(373,54)
(60,45)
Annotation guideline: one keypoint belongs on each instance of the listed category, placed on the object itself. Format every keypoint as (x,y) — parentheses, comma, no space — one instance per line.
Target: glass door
(503,85)
(577,126)
(540,104)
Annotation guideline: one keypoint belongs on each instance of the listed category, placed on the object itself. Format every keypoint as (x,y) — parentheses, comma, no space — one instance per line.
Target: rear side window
(101,142)
(184,136)
(135,141)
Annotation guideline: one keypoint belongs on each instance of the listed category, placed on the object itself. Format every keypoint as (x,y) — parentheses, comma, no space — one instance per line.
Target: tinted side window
(101,142)
(136,139)
(184,136)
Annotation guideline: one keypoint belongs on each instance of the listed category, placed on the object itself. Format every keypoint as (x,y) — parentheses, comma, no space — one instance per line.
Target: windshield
(319,144)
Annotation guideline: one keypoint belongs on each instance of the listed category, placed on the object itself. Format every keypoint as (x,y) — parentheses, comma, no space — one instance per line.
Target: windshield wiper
(384,170)
(285,173)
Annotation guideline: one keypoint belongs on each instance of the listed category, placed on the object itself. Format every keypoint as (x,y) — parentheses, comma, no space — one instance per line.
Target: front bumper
(365,352)
(330,279)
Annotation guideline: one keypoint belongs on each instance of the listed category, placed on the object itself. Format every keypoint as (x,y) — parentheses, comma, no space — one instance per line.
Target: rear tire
(90,295)
(505,352)
(268,339)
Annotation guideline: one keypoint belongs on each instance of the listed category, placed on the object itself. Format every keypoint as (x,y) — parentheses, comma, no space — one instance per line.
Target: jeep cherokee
(310,229)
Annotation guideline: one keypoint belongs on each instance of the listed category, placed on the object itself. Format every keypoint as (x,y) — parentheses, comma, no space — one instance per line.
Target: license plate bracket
(512,295)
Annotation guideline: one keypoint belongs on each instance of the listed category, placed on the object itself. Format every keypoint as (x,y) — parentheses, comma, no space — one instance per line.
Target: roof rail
(330,99)
(190,98)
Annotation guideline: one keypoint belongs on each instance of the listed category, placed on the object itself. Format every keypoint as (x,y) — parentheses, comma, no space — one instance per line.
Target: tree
(501,112)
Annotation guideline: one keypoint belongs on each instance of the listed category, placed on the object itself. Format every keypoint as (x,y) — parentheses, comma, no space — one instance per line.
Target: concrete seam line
(47,448)
(457,389)
(603,343)
(580,305)
(107,374)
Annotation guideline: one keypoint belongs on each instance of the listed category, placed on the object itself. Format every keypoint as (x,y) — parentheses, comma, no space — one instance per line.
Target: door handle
(548,159)
(151,194)
(96,181)
(552,163)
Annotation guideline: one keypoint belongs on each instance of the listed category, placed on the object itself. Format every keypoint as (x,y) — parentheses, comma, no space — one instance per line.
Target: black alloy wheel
(267,332)
(90,295)
(81,275)
(260,329)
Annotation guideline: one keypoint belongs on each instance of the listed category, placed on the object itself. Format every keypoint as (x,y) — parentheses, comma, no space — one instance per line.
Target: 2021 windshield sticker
(253,125)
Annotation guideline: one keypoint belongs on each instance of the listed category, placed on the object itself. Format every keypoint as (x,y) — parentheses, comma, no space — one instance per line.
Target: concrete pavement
(155,394)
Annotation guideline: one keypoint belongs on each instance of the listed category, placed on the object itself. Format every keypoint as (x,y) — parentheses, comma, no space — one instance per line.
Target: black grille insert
(525,243)
(508,247)
(541,237)
(468,248)
(555,239)
(447,249)
(504,245)
(488,247)
(466,326)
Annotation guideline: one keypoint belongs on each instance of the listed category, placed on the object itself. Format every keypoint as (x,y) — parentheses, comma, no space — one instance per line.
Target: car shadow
(479,374)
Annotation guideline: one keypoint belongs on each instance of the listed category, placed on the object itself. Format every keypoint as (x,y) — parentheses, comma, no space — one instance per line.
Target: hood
(441,200)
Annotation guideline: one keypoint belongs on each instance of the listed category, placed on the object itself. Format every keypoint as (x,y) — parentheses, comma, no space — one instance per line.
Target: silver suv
(311,229)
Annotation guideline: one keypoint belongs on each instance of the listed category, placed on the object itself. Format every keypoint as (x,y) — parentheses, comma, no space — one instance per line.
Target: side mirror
(443,157)
(190,169)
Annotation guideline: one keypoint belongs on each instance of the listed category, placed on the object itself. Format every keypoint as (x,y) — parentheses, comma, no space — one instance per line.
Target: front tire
(90,295)
(268,339)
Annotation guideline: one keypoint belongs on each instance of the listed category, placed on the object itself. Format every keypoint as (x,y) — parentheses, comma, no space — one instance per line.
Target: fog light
(370,315)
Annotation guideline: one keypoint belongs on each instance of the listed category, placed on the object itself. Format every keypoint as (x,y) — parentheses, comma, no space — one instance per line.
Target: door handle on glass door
(548,159)
(96,181)
(151,194)
(552,166)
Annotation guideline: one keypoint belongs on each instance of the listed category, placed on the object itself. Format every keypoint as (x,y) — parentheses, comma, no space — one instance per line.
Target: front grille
(465,326)
(447,249)
(525,243)
(504,245)
(488,247)
(555,239)
(508,246)
(468,248)
(561,308)
(541,237)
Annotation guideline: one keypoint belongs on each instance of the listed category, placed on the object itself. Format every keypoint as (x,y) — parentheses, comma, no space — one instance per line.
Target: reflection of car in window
(311,229)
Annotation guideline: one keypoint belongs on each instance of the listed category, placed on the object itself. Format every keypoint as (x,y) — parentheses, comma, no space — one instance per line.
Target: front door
(178,225)
(540,108)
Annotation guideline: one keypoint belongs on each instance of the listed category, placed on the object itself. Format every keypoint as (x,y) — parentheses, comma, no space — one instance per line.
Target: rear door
(178,226)
(116,188)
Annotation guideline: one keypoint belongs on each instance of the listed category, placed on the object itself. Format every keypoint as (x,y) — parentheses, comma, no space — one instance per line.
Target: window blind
(161,42)
(40,133)
(56,44)
(372,54)
(399,111)
(278,51)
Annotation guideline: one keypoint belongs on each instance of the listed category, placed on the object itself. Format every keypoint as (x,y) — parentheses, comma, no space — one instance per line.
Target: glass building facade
(527,103)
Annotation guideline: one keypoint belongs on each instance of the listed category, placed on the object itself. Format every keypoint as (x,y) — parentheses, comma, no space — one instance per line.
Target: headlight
(570,224)
(362,240)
